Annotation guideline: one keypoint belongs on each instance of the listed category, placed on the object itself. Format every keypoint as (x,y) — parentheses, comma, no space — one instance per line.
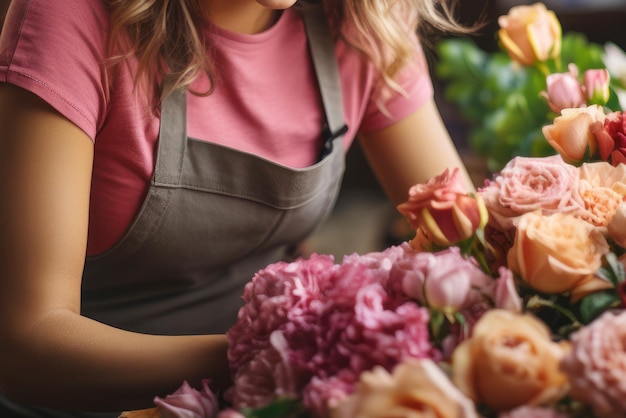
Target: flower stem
(537,302)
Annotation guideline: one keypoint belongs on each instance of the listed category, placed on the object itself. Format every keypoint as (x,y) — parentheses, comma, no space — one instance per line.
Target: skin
(49,354)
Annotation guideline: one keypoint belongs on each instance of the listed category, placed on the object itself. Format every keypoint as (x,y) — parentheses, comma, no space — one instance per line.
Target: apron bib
(213,216)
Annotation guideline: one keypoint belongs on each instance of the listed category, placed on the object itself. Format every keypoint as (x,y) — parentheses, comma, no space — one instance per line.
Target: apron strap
(169,158)
(322,48)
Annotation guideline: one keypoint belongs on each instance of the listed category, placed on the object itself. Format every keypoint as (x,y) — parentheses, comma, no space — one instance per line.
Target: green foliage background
(500,99)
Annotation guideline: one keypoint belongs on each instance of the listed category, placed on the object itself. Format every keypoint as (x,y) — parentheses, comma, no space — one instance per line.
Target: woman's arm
(49,354)
(412,151)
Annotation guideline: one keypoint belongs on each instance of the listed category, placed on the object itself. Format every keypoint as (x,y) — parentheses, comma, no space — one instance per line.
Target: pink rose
(529,184)
(504,292)
(187,402)
(415,388)
(443,210)
(596,365)
(446,281)
(558,253)
(572,133)
(564,90)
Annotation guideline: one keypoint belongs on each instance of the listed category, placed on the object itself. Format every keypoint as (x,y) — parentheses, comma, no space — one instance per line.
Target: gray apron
(212,217)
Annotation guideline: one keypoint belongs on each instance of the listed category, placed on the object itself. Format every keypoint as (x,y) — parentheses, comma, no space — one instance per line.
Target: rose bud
(564,91)
(596,86)
(571,133)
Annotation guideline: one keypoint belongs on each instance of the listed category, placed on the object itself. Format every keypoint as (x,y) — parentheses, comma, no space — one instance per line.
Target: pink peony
(528,184)
(312,325)
(188,402)
(596,365)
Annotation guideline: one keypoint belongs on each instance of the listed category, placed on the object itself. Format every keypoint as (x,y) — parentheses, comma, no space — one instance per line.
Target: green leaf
(595,304)
(612,270)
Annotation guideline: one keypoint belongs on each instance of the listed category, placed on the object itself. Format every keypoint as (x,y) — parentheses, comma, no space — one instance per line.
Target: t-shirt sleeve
(56,49)
(387,106)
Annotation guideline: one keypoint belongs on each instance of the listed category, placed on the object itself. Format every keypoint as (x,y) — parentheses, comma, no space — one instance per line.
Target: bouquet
(506,303)
(501,95)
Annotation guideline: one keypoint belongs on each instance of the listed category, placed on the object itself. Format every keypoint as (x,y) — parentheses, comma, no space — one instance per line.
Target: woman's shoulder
(56,49)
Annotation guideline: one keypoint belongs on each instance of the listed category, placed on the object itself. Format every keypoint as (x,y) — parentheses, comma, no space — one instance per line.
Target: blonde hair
(165,35)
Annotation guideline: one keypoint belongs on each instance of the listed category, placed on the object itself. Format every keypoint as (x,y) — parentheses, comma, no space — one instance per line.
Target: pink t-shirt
(266,102)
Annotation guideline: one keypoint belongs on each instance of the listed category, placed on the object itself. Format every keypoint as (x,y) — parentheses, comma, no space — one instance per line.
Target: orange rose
(530,33)
(416,388)
(571,134)
(558,253)
(509,361)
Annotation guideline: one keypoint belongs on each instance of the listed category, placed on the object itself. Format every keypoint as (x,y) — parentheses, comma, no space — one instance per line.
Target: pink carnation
(596,365)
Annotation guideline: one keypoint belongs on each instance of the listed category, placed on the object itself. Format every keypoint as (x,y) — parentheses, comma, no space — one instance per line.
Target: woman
(155,154)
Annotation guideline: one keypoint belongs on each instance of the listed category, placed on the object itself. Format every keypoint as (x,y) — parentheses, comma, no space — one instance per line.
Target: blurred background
(363,219)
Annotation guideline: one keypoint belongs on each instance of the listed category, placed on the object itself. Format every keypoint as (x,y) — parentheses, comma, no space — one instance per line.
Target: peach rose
(599,203)
(416,388)
(602,188)
(603,174)
(510,361)
(571,133)
(530,33)
(558,253)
